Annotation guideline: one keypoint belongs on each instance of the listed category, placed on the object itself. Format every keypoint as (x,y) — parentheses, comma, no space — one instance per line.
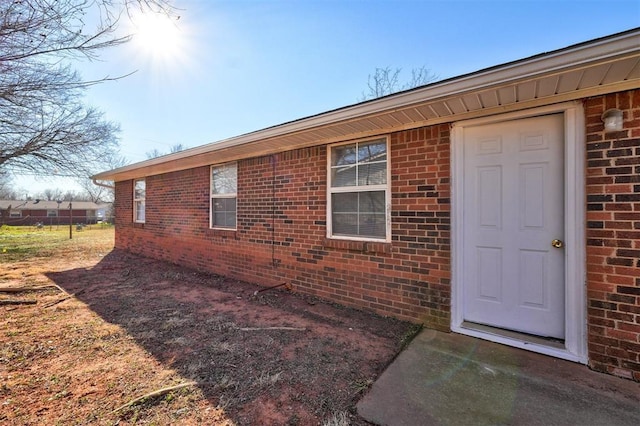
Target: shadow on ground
(274,358)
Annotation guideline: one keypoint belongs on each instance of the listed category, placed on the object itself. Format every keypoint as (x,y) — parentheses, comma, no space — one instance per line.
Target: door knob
(557,243)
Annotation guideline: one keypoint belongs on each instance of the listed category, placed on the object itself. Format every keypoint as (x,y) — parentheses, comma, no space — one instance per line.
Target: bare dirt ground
(133,326)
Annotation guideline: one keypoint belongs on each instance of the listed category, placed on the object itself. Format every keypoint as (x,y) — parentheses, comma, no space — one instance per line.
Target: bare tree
(7,191)
(177,148)
(96,194)
(57,194)
(71,195)
(157,153)
(50,194)
(44,126)
(100,193)
(386,81)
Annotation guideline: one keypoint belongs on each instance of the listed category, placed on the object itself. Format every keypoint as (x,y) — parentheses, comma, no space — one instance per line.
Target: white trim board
(575,344)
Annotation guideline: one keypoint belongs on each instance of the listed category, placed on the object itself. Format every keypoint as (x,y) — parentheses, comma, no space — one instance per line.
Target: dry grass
(66,364)
(137,325)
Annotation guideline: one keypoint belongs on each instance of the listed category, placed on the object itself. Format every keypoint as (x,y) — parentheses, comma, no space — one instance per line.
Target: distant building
(32,212)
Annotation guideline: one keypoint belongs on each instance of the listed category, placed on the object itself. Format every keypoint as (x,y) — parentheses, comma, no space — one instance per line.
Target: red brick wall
(613,237)
(281,232)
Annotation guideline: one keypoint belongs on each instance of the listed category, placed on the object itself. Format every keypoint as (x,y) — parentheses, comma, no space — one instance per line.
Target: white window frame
(136,201)
(213,196)
(15,214)
(365,188)
(52,213)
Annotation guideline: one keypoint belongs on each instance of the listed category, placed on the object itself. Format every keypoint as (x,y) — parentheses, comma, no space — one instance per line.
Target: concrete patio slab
(451,379)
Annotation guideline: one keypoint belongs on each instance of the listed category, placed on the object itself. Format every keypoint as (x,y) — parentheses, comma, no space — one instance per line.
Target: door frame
(575,343)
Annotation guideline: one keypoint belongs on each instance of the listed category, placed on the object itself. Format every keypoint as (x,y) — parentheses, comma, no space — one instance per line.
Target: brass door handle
(557,243)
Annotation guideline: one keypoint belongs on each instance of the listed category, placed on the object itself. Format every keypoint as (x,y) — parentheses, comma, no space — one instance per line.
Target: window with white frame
(359,193)
(139,195)
(224,182)
(52,213)
(15,213)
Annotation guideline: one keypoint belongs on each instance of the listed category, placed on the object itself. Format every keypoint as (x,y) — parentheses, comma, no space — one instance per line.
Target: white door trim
(575,345)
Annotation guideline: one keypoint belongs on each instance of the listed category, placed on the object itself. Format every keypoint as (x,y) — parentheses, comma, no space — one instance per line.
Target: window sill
(138,225)
(224,233)
(360,246)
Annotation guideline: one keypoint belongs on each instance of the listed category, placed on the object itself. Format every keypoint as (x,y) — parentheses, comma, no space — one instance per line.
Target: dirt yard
(120,331)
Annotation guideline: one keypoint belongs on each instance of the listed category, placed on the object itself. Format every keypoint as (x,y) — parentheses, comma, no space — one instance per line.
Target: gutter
(103,185)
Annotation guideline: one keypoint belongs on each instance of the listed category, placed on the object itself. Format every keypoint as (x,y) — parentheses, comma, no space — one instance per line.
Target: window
(15,213)
(139,195)
(359,191)
(224,181)
(52,213)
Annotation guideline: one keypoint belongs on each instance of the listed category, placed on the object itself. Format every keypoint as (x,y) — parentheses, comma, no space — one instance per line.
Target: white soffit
(594,68)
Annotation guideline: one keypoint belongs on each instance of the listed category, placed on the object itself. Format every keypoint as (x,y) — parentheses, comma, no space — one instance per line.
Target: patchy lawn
(131,326)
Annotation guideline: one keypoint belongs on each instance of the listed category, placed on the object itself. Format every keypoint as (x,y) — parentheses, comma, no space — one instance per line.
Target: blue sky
(244,65)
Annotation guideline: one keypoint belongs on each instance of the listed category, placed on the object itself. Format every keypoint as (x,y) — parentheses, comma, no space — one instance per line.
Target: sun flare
(158,35)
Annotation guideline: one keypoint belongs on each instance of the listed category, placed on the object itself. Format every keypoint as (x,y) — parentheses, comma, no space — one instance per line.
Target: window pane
(226,204)
(345,223)
(359,214)
(140,189)
(343,155)
(372,151)
(224,179)
(218,218)
(343,176)
(346,202)
(372,174)
(368,167)
(220,204)
(140,211)
(372,225)
(371,202)
(224,212)
(225,219)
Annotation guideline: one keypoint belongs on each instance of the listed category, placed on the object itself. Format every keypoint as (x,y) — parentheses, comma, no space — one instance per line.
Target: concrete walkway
(450,379)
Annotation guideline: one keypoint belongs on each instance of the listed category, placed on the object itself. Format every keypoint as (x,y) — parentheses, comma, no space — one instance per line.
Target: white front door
(513,209)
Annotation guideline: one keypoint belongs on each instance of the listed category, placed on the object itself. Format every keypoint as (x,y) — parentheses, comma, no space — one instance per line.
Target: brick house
(481,204)
(48,213)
